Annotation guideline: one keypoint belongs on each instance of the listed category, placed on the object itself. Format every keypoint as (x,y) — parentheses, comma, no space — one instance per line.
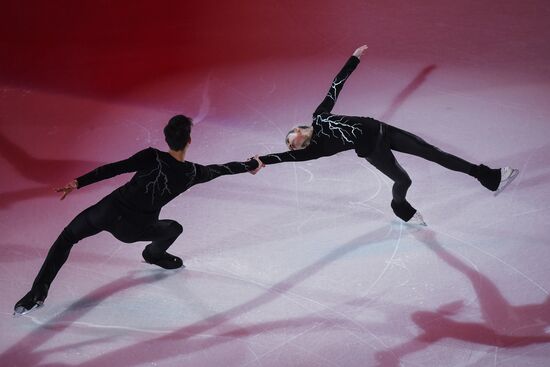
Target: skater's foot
(417,220)
(488,177)
(165,260)
(507,175)
(31,301)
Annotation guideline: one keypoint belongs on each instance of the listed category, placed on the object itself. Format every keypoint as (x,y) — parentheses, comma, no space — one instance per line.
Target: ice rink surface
(303,264)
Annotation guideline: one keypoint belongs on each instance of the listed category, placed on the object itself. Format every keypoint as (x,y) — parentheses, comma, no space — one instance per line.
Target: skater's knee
(403,183)
(179,228)
(175,228)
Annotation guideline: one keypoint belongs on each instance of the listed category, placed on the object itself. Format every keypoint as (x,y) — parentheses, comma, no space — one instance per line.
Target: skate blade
(20,311)
(515,173)
(417,224)
(160,267)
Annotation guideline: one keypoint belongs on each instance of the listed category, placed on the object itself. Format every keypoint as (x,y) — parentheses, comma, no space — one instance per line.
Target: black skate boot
(165,260)
(32,300)
(403,209)
(488,177)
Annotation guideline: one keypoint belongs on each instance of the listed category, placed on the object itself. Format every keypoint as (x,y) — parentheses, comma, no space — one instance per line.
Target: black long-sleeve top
(159,178)
(334,133)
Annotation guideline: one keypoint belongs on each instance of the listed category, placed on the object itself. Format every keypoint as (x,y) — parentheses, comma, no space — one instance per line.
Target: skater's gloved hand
(357,53)
(260,165)
(66,190)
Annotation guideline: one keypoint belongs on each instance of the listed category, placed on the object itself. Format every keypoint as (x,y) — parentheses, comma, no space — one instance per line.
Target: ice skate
(417,219)
(166,260)
(33,300)
(507,175)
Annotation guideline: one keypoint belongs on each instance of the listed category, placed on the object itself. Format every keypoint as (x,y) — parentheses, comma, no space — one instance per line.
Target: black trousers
(392,138)
(104,216)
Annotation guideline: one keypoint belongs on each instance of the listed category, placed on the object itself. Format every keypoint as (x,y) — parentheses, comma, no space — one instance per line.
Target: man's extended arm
(132,164)
(212,171)
(106,171)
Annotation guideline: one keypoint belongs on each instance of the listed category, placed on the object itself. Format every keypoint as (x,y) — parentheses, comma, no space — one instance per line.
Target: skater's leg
(406,142)
(87,223)
(384,160)
(78,229)
(162,234)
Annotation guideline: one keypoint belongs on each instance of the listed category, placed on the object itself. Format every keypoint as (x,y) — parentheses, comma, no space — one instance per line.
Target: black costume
(131,212)
(375,140)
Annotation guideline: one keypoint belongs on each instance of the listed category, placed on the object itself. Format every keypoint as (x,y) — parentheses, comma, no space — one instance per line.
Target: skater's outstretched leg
(163,233)
(405,142)
(85,224)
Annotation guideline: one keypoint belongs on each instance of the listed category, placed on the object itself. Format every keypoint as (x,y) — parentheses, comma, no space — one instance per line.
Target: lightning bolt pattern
(339,127)
(335,87)
(159,180)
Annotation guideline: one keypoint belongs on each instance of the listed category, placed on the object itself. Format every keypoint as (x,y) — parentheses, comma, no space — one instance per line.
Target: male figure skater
(131,212)
(374,140)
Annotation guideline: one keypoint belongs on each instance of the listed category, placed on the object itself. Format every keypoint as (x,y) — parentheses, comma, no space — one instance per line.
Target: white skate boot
(417,220)
(507,175)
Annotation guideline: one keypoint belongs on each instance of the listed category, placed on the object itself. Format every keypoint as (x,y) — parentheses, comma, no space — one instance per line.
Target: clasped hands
(260,164)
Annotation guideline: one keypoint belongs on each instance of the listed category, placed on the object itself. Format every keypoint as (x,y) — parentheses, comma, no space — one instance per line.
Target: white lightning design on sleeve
(228,168)
(333,91)
(279,158)
(192,175)
(216,170)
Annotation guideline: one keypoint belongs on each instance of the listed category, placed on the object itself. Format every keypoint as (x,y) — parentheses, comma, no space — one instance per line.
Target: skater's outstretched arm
(132,164)
(291,156)
(338,82)
(212,171)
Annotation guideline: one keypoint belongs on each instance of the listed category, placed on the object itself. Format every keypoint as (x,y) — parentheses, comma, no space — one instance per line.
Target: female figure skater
(131,212)
(374,140)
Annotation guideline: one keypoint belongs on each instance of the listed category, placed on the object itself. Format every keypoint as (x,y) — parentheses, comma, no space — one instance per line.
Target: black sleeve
(336,86)
(291,156)
(132,164)
(212,171)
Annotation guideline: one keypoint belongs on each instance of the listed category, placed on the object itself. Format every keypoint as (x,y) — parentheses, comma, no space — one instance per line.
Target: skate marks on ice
(503,325)
(170,344)
(205,105)
(28,351)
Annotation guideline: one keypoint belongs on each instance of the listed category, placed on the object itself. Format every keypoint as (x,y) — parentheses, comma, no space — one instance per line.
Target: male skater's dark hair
(177,132)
